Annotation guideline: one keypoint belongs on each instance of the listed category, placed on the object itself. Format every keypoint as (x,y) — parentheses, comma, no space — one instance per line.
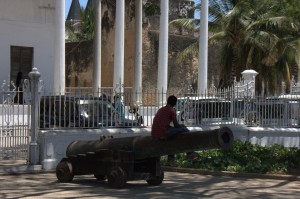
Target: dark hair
(172,100)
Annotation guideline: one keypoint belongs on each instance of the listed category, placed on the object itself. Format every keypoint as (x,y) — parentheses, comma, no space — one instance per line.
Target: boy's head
(172,100)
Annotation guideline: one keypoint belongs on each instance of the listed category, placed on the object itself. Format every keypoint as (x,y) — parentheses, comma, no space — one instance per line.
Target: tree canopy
(254,34)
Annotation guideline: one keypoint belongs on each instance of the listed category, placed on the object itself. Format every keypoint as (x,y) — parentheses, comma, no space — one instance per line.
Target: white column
(59,67)
(34,147)
(249,82)
(119,46)
(97,47)
(137,87)
(203,48)
(162,79)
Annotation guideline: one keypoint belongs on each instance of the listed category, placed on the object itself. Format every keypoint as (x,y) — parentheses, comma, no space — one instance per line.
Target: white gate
(14,123)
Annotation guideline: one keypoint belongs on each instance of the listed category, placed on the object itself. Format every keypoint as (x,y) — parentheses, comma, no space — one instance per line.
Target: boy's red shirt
(162,120)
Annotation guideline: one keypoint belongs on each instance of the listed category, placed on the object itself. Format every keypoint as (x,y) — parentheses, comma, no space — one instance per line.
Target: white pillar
(59,67)
(162,80)
(247,86)
(249,76)
(137,87)
(97,47)
(119,46)
(203,48)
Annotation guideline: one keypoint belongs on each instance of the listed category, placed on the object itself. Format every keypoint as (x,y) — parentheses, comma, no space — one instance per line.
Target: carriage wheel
(156,180)
(64,171)
(117,177)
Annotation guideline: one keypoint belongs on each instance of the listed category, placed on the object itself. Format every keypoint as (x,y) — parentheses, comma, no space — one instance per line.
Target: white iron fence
(14,125)
(22,112)
(114,109)
(280,111)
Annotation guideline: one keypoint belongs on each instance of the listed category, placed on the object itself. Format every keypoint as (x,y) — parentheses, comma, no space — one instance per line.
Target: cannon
(134,158)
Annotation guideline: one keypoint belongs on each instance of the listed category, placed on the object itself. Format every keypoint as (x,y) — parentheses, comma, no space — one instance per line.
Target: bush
(245,157)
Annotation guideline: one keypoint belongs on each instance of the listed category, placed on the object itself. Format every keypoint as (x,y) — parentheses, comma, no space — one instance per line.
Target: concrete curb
(233,174)
(20,169)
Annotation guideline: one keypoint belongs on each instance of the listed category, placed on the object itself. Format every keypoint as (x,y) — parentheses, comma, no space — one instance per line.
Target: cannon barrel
(147,147)
(94,146)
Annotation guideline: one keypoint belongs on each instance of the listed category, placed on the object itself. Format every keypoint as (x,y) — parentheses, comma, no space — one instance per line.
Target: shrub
(245,157)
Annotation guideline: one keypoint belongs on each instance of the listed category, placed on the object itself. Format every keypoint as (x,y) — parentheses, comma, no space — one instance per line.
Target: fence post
(248,77)
(34,76)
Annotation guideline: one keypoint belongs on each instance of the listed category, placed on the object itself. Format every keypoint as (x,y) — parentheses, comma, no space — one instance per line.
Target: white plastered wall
(29,23)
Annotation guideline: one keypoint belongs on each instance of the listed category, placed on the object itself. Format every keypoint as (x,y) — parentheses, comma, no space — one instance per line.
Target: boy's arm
(175,121)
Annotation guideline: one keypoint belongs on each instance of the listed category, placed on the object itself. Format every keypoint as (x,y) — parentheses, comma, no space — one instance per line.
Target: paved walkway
(190,184)
(175,185)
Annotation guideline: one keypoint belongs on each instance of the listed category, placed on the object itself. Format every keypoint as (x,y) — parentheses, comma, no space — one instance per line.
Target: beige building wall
(182,76)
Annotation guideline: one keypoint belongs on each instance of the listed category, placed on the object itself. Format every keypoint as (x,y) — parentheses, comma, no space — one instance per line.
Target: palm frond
(187,24)
(220,36)
(188,53)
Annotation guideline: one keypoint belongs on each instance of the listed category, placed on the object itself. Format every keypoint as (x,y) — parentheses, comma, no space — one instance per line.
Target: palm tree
(273,40)
(227,23)
(259,34)
(85,30)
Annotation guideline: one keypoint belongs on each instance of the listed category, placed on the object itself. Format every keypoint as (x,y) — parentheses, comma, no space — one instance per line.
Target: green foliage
(254,34)
(151,7)
(245,157)
(86,28)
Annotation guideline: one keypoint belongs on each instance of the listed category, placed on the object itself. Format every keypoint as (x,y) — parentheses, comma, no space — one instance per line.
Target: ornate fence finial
(212,89)
(9,91)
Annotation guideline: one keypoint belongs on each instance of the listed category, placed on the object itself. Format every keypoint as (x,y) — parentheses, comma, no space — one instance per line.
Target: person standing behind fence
(119,106)
(19,89)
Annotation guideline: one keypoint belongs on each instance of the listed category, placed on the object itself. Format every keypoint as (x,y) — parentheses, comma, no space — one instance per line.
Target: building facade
(31,35)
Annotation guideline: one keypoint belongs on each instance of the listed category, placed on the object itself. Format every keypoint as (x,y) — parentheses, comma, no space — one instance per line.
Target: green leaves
(151,8)
(259,34)
(83,30)
(246,157)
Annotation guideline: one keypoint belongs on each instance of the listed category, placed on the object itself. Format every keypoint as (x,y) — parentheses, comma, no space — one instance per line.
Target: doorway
(21,59)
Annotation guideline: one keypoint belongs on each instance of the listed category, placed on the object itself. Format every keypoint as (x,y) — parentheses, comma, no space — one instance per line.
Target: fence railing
(81,108)
(113,109)
(14,124)
(28,109)
(95,110)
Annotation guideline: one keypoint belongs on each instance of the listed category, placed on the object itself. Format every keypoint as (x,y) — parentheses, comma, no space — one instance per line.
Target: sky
(68,4)
(197,14)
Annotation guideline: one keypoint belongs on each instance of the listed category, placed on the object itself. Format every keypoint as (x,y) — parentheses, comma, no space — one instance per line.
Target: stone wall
(181,76)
